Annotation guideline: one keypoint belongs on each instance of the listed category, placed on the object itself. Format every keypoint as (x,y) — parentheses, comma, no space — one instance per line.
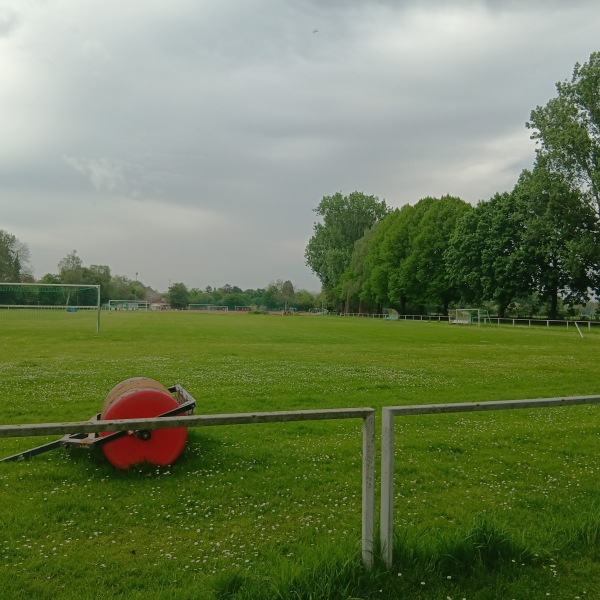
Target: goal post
(208,307)
(43,300)
(390,314)
(128,305)
(468,316)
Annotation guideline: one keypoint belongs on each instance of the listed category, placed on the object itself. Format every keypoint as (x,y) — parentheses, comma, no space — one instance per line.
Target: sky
(189,141)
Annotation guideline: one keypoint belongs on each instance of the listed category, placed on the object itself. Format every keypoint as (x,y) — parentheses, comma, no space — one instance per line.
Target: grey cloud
(237,114)
(145,177)
(9,21)
(109,175)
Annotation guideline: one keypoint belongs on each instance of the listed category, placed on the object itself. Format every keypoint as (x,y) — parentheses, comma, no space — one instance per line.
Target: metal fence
(368,442)
(543,323)
(388,415)
(510,321)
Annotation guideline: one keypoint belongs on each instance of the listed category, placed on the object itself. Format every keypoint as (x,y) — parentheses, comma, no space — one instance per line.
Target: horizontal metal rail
(368,442)
(389,413)
(38,429)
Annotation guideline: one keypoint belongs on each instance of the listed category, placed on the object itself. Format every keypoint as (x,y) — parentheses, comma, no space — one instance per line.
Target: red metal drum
(137,398)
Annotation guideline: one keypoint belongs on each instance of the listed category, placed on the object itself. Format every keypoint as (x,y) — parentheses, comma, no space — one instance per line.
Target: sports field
(496,505)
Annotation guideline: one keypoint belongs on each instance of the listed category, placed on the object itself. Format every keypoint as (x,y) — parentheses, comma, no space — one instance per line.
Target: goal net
(390,314)
(468,316)
(209,307)
(128,305)
(50,300)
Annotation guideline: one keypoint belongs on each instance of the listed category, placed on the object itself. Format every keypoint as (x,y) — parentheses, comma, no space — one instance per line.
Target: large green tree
(123,288)
(356,275)
(485,256)
(345,220)
(100,275)
(381,258)
(541,239)
(389,278)
(179,296)
(560,237)
(567,130)
(425,271)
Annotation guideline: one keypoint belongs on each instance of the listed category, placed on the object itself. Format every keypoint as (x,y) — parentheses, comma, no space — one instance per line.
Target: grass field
(487,506)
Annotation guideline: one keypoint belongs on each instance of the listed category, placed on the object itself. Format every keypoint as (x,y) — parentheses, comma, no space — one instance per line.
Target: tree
(425,270)
(567,130)
(304,300)
(50,278)
(355,277)
(99,275)
(179,296)
(376,267)
(485,255)
(540,241)
(256,296)
(70,268)
(561,237)
(120,288)
(14,258)
(287,293)
(271,297)
(389,279)
(236,299)
(279,294)
(345,220)
(198,296)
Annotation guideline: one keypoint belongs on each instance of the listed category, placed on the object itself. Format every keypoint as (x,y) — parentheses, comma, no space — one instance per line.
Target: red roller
(138,398)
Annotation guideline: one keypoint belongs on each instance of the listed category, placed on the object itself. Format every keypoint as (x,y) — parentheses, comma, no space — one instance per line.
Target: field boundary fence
(388,416)
(544,322)
(368,442)
(514,322)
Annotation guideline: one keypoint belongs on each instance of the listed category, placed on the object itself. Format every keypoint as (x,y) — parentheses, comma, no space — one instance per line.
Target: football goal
(468,316)
(128,305)
(74,302)
(209,307)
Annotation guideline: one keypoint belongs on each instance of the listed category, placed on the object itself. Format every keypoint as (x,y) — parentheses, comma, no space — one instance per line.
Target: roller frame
(93,440)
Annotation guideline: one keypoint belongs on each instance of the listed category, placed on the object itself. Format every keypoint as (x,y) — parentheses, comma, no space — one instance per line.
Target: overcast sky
(190,140)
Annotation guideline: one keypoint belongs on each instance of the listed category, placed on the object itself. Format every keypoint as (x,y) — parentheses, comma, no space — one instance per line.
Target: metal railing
(368,442)
(511,321)
(388,415)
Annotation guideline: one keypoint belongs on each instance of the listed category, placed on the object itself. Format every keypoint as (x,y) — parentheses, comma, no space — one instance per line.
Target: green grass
(495,505)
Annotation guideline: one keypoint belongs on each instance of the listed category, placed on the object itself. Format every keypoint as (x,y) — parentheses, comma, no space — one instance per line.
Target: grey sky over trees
(190,140)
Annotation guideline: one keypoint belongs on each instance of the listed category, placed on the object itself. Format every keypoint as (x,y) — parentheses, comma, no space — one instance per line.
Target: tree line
(278,295)
(15,268)
(536,247)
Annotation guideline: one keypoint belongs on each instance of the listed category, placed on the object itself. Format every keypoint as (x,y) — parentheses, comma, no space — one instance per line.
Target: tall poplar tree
(567,130)
(344,221)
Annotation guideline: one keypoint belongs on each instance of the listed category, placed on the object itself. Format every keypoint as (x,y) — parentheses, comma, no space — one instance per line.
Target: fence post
(368,489)
(387,485)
